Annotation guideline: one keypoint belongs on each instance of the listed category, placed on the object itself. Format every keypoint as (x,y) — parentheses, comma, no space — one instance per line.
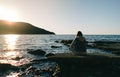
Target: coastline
(108,46)
(60,63)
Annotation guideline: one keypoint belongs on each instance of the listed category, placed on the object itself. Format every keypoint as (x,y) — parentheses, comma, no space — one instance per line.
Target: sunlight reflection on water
(11,41)
(9,54)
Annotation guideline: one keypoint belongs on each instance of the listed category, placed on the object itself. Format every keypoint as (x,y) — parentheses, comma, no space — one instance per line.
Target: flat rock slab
(87,65)
(86,58)
(68,57)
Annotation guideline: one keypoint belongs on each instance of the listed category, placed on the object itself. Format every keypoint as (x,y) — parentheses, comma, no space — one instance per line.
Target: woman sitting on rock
(78,45)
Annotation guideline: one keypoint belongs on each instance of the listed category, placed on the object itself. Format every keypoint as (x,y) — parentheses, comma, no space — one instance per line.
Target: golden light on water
(10,52)
(10,46)
(11,41)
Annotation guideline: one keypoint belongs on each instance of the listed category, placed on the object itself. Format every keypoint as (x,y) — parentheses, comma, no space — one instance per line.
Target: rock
(56,46)
(50,54)
(89,65)
(37,52)
(6,67)
(17,58)
(109,46)
(38,71)
(57,41)
(66,42)
(116,52)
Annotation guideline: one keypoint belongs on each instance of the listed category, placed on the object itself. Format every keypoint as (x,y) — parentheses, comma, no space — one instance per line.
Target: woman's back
(78,45)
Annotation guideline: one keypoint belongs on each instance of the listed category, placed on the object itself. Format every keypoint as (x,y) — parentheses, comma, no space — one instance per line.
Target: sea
(14,50)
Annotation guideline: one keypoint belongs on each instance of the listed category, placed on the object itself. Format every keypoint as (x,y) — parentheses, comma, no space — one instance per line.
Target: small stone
(56,46)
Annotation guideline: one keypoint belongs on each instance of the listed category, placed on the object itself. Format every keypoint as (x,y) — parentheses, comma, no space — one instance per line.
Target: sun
(7,14)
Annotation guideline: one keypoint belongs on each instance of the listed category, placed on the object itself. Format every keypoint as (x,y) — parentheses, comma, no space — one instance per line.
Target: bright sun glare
(7,14)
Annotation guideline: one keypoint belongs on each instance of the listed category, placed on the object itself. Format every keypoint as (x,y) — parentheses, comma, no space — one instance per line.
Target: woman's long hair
(79,33)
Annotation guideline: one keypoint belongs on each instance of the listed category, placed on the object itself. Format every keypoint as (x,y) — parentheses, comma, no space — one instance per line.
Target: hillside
(20,28)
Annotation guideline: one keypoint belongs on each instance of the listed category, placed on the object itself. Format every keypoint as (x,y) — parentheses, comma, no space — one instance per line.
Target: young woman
(78,45)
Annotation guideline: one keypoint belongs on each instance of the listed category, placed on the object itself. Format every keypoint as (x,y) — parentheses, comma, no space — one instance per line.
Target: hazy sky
(68,16)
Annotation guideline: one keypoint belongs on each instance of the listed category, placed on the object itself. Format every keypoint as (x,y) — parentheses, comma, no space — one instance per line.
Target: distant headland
(7,27)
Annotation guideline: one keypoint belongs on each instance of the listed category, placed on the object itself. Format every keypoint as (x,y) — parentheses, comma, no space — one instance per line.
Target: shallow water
(14,48)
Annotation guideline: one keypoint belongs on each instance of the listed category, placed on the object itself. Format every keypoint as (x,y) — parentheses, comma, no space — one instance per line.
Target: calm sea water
(17,46)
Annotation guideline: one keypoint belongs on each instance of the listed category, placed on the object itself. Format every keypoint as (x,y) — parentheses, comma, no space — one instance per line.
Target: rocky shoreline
(114,47)
(70,65)
(89,65)
(108,46)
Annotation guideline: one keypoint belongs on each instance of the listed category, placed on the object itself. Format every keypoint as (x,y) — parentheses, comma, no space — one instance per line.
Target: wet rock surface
(113,47)
(66,42)
(41,69)
(37,52)
(5,67)
(56,46)
(50,54)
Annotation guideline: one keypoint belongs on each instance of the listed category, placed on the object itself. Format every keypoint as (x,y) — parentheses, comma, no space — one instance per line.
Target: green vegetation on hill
(20,28)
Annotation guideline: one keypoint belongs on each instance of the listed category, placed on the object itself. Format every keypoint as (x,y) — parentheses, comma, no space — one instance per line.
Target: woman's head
(79,33)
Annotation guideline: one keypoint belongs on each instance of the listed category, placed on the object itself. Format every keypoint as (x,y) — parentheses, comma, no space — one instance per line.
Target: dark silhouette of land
(20,28)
